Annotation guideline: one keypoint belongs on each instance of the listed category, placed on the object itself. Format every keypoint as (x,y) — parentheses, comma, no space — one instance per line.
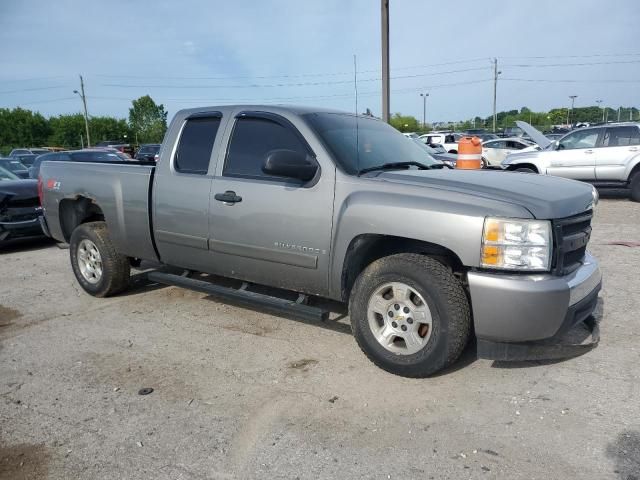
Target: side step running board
(243,297)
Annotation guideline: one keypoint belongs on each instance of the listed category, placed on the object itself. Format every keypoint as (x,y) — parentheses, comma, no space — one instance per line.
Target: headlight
(595,195)
(510,244)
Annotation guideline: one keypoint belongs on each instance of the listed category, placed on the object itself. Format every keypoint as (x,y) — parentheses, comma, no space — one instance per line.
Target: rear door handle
(633,149)
(588,151)
(228,197)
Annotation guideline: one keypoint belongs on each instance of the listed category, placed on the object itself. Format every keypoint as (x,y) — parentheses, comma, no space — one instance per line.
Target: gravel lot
(241,394)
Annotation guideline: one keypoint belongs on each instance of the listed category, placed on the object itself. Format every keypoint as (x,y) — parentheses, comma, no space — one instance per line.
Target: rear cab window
(195,145)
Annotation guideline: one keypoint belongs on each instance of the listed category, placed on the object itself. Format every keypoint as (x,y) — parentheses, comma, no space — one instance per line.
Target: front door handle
(633,149)
(228,197)
(588,151)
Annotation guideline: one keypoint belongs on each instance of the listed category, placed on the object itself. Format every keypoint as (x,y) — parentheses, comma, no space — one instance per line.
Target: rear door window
(621,136)
(196,144)
(252,139)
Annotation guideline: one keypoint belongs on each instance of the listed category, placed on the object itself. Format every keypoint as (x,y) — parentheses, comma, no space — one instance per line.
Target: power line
(299,84)
(298,75)
(595,55)
(48,101)
(584,64)
(31,89)
(542,80)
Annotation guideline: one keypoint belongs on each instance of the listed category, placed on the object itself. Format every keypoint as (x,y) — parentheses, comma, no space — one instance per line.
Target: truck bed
(122,190)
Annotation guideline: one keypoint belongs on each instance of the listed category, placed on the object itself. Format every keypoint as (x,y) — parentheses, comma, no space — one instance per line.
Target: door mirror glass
(289,164)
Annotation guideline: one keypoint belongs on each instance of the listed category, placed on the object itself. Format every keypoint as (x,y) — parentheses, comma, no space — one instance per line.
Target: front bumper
(29,227)
(511,308)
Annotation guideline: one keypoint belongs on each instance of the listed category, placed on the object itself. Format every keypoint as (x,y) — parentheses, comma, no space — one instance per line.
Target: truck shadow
(625,452)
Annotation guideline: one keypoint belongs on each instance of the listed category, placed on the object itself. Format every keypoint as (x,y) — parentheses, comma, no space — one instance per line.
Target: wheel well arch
(634,170)
(76,211)
(515,166)
(364,249)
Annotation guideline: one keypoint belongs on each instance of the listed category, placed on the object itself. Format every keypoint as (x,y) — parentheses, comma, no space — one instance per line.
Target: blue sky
(196,52)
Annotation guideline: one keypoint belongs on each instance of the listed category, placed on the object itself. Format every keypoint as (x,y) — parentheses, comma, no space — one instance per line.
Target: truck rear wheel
(410,315)
(100,270)
(634,185)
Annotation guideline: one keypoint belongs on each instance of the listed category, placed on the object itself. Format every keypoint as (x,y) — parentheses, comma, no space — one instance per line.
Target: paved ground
(240,394)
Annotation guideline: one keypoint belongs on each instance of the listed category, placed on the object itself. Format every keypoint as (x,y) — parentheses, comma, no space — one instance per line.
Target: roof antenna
(355,88)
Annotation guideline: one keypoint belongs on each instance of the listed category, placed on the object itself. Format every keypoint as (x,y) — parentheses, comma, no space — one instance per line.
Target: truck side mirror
(290,164)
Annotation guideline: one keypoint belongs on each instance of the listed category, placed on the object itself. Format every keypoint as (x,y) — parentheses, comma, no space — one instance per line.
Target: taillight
(40,191)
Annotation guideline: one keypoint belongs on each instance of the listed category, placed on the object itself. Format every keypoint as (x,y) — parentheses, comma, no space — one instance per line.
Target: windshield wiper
(394,166)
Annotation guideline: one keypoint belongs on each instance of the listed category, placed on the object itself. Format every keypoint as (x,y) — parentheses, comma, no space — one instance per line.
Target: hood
(544,196)
(18,189)
(536,135)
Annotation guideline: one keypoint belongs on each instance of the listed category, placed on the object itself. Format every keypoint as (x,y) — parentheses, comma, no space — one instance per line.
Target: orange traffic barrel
(469,153)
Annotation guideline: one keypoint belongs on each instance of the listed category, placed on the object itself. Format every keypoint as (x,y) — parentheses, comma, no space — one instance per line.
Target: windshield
(372,144)
(12,165)
(428,150)
(7,175)
(149,149)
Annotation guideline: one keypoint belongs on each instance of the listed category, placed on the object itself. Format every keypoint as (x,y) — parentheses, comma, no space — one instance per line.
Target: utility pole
(385,58)
(495,91)
(573,99)
(84,103)
(619,113)
(424,110)
(599,102)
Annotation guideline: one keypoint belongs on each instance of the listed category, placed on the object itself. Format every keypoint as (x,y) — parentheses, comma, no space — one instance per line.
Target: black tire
(115,267)
(634,185)
(445,298)
(483,163)
(525,170)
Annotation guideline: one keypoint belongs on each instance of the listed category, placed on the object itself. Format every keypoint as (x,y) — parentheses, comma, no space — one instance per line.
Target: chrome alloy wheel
(399,318)
(89,261)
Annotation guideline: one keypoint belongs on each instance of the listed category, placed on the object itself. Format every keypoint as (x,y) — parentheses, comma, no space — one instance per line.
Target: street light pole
(599,102)
(424,110)
(384,4)
(84,103)
(495,91)
(573,99)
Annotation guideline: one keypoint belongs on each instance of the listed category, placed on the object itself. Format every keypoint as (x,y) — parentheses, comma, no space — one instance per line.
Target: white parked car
(607,156)
(495,151)
(448,140)
(410,134)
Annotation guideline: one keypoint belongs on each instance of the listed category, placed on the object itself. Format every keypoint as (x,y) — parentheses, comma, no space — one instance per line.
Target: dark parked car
(148,152)
(120,146)
(28,151)
(15,167)
(20,209)
(27,159)
(86,155)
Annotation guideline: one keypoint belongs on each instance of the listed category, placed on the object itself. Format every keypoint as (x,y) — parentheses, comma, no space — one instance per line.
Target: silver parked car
(607,156)
(495,151)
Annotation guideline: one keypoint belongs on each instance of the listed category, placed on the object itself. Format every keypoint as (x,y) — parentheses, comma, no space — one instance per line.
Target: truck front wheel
(410,315)
(100,270)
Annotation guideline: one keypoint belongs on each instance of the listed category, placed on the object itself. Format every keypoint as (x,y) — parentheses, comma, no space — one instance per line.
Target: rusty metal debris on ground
(624,243)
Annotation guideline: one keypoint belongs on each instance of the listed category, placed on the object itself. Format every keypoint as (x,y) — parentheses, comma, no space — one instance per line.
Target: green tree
(22,128)
(405,123)
(148,120)
(66,131)
(109,128)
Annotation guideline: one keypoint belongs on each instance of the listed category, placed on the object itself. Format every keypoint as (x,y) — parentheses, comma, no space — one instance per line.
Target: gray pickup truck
(319,203)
